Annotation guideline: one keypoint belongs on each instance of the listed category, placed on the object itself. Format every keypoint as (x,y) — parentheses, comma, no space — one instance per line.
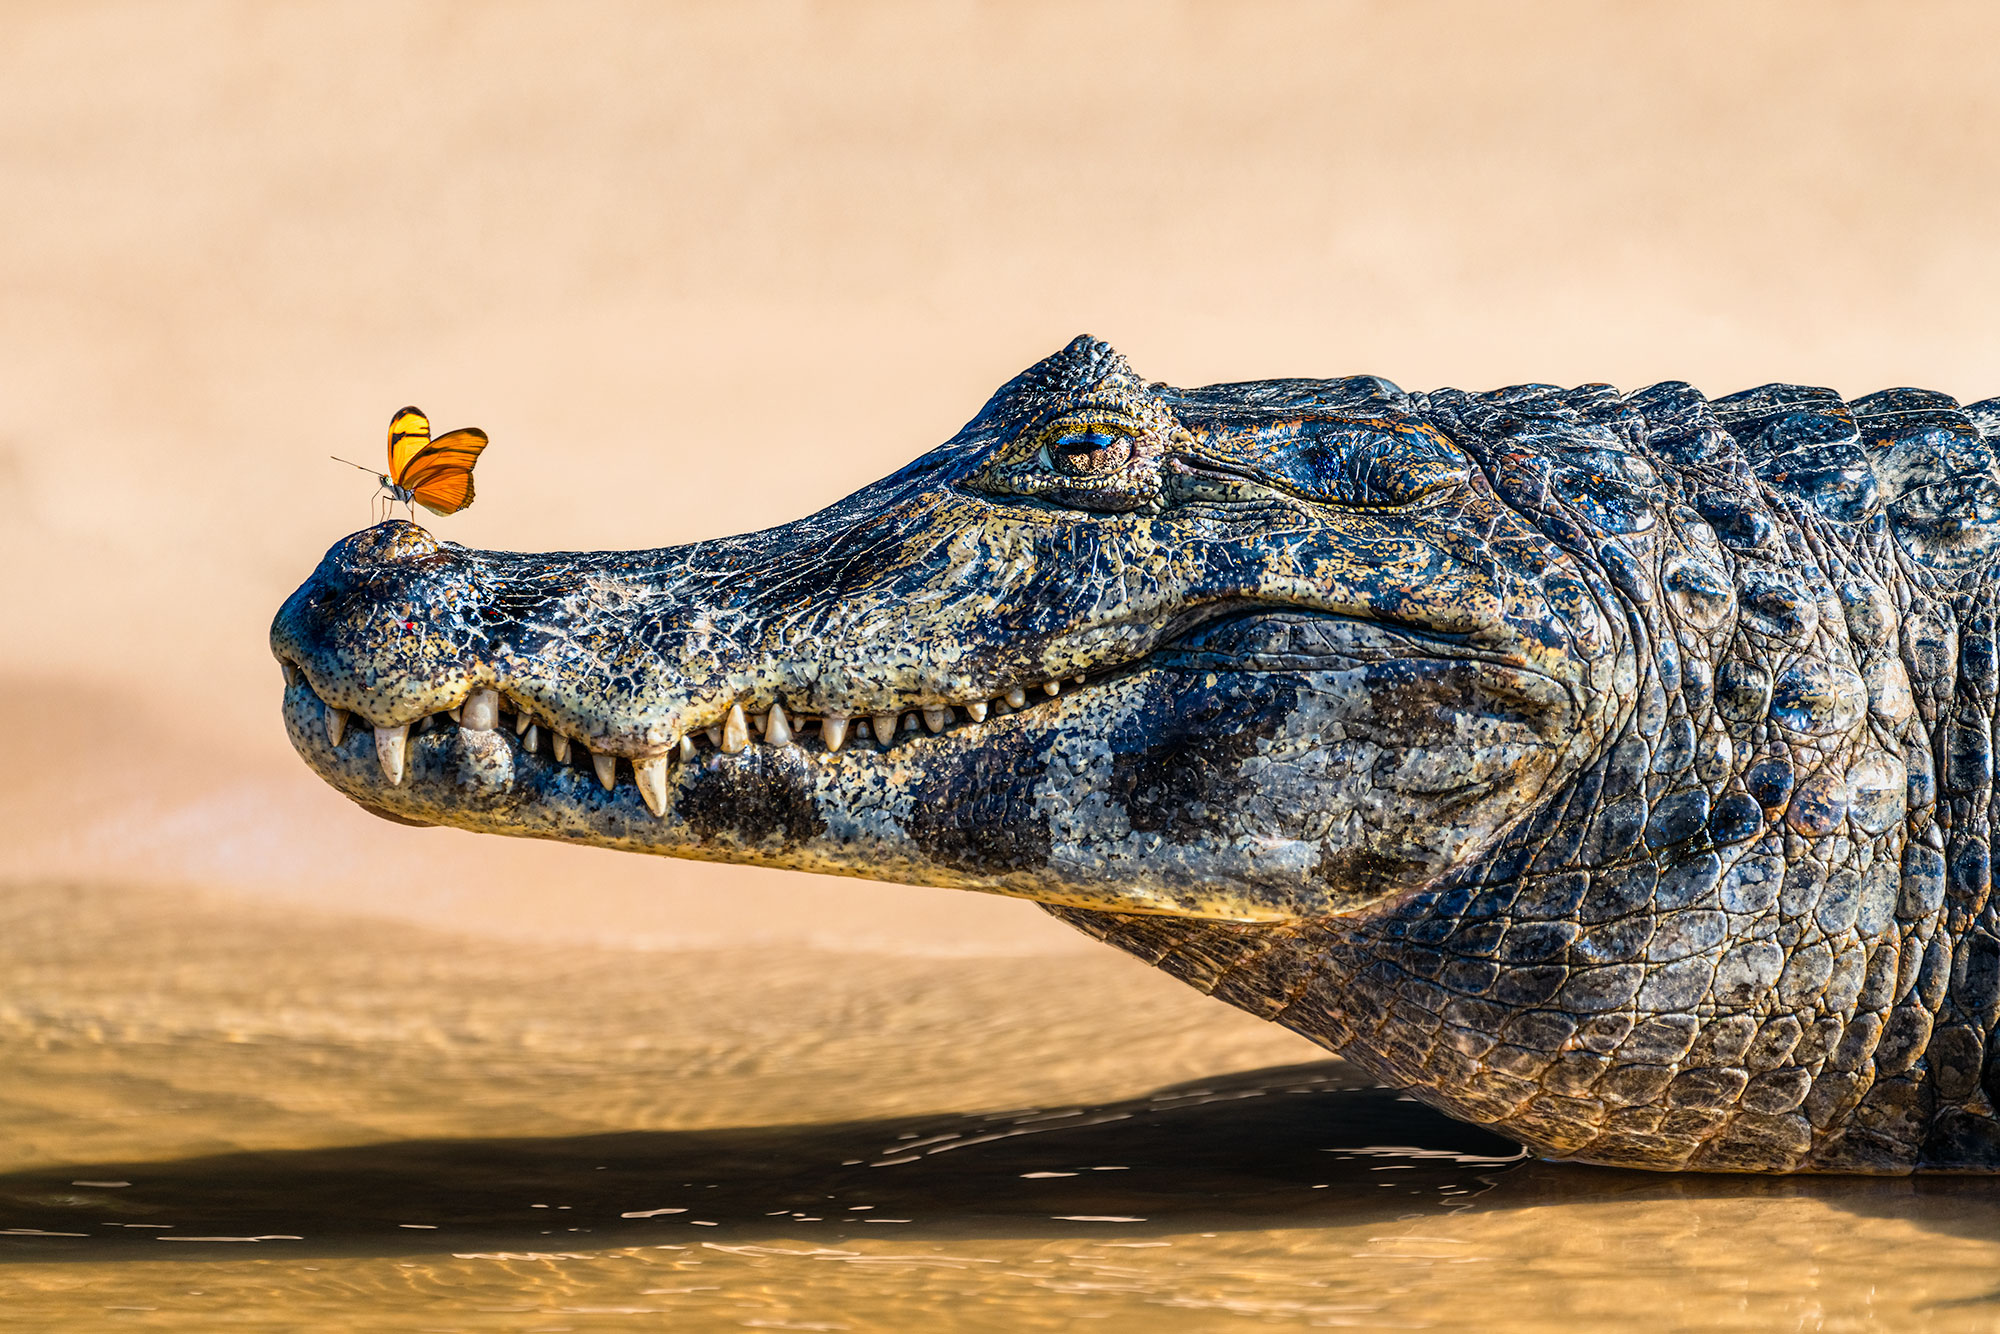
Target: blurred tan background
(702,268)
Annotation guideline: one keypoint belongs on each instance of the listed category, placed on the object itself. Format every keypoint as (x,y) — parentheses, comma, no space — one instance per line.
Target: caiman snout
(629,669)
(384,624)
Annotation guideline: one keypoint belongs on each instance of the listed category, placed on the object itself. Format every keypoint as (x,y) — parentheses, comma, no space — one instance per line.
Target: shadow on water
(1292,1147)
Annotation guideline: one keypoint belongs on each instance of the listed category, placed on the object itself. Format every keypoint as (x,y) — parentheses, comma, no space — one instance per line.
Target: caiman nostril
(386,543)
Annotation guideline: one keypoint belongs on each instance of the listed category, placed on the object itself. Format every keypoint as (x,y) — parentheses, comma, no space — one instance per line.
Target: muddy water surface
(219,1118)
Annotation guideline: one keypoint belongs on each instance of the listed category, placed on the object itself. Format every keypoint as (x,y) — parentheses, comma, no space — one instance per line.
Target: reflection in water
(1299,1147)
(1288,1195)
(434,1134)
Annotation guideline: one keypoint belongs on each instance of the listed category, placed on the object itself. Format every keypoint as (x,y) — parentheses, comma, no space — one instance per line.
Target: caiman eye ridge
(741,729)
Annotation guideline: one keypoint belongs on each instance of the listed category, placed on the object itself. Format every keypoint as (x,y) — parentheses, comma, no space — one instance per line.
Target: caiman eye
(1108,462)
(1085,453)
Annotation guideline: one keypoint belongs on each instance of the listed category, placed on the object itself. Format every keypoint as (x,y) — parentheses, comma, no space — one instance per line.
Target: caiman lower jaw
(879,811)
(739,731)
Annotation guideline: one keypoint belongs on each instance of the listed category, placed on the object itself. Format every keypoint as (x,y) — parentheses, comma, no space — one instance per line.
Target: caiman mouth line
(741,729)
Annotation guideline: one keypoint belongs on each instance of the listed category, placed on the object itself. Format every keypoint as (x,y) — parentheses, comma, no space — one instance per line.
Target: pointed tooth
(715,737)
(607,769)
(1016,698)
(833,731)
(1078,679)
(389,743)
(531,740)
(687,748)
(935,719)
(559,745)
(977,711)
(777,731)
(336,725)
(481,711)
(651,775)
(1052,687)
(423,724)
(454,711)
(522,722)
(885,727)
(291,672)
(735,731)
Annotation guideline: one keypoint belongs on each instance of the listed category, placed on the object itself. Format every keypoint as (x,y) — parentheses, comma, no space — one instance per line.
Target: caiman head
(1255,652)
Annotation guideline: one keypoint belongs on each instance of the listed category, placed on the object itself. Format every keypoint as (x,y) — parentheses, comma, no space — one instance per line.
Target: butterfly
(436,474)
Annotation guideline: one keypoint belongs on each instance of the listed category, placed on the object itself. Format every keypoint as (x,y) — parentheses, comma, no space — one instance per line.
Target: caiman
(1612,770)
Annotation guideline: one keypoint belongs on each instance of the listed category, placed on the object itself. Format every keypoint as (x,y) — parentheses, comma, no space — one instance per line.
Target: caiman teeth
(740,728)
(651,775)
(735,731)
(389,745)
(777,732)
(481,711)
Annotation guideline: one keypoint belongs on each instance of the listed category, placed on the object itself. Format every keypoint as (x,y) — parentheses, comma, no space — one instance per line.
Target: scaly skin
(1610,770)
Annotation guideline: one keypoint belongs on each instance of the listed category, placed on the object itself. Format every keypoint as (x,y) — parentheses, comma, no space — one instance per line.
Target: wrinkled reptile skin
(1613,770)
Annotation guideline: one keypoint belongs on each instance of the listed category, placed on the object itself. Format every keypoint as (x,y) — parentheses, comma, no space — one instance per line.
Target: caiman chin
(1613,770)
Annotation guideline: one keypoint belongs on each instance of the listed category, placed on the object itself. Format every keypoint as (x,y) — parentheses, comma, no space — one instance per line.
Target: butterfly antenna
(350,463)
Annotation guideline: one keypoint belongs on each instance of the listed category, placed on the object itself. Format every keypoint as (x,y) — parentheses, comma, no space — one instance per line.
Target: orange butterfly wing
(440,473)
(409,432)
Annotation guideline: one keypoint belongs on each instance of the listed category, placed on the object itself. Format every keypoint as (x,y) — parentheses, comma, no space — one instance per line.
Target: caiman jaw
(771,789)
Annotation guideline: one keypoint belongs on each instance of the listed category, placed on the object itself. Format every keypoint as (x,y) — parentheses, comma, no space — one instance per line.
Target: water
(217,1119)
